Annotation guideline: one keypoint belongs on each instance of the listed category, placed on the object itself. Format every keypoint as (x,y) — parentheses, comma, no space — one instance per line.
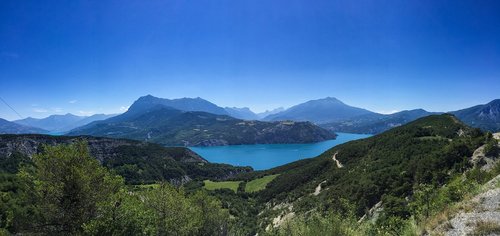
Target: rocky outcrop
(480,214)
(485,162)
(100,148)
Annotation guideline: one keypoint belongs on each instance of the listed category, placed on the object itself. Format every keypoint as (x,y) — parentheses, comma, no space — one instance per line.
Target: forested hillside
(65,191)
(137,162)
(381,178)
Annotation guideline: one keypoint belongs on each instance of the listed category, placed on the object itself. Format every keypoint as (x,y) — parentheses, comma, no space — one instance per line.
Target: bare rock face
(180,181)
(485,162)
(482,213)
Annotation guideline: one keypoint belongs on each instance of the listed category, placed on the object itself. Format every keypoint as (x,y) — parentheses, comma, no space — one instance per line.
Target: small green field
(259,184)
(210,185)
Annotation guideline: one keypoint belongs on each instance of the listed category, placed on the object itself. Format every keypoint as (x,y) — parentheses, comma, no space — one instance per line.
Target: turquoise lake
(266,156)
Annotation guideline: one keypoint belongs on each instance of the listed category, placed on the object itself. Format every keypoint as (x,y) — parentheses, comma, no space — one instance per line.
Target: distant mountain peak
(495,102)
(148,97)
(486,116)
(319,111)
(331,99)
(183,104)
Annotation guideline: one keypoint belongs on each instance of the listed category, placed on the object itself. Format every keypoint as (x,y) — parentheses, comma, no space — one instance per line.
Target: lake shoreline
(267,156)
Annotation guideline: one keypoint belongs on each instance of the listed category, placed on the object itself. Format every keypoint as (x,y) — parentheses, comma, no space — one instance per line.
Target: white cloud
(57,109)
(388,112)
(124,108)
(73,101)
(40,110)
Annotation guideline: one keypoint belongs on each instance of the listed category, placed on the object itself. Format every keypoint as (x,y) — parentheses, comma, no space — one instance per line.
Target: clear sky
(89,57)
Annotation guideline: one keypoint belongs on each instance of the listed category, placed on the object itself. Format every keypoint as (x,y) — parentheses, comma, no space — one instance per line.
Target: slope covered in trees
(65,191)
(138,162)
(384,171)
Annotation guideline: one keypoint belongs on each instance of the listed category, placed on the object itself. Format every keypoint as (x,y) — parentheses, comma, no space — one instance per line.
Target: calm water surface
(265,156)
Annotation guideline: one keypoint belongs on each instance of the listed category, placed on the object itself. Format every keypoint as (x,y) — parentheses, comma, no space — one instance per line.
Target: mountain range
(375,123)
(485,117)
(246,114)
(151,120)
(61,123)
(329,113)
(8,127)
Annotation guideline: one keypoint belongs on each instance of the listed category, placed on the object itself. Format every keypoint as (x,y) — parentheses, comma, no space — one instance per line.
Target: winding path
(334,157)
(318,188)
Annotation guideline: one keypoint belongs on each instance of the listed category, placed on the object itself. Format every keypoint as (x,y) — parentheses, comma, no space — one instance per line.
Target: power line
(11,107)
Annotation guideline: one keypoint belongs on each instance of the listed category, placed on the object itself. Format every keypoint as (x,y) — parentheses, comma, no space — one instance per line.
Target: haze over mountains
(190,124)
(376,123)
(270,112)
(329,113)
(242,113)
(337,116)
(61,123)
(8,127)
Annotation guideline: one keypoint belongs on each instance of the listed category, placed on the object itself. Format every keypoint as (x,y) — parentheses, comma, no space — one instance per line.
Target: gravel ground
(486,209)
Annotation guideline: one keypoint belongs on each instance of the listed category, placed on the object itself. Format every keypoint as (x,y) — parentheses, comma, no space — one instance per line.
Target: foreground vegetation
(430,207)
(65,191)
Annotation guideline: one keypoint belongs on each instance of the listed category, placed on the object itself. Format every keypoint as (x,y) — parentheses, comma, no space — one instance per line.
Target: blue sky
(89,57)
